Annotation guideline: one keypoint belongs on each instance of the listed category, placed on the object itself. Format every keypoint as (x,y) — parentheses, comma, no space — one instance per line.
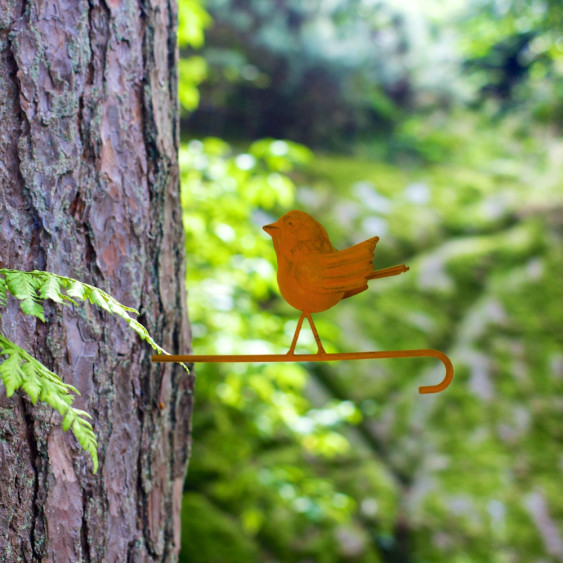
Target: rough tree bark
(89,189)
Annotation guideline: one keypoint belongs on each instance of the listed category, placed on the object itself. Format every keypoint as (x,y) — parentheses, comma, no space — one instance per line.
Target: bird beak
(271,227)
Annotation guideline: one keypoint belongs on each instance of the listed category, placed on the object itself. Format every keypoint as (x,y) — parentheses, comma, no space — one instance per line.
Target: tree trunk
(89,189)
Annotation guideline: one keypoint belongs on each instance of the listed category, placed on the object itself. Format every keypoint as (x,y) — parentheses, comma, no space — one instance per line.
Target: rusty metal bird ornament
(312,275)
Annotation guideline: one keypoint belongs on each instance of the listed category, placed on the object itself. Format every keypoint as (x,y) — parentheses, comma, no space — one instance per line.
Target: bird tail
(386,272)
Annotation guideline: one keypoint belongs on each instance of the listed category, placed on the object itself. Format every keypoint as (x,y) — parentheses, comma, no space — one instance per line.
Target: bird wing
(339,271)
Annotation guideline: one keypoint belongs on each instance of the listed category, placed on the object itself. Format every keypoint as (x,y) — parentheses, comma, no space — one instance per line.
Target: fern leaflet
(24,288)
(3,290)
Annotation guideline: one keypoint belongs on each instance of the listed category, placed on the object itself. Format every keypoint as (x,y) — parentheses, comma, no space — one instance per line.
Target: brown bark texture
(89,188)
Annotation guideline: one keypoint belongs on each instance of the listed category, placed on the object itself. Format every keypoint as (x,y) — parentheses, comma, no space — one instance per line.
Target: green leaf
(67,420)
(50,289)
(76,289)
(92,450)
(31,383)
(3,290)
(10,370)
(96,297)
(23,286)
(84,413)
(30,307)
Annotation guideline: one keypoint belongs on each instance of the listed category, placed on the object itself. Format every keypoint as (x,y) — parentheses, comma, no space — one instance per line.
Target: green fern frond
(50,286)
(20,370)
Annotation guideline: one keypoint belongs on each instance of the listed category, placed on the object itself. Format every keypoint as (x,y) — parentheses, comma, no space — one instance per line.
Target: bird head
(295,228)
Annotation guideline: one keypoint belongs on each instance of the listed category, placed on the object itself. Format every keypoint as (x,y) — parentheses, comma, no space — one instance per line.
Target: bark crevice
(84,532)
(34,463)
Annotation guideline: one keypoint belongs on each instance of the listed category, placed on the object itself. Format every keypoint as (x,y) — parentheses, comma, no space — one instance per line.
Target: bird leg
(320,350)
(296,335)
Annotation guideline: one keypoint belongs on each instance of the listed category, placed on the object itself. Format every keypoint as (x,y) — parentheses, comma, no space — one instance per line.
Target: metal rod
(320,357)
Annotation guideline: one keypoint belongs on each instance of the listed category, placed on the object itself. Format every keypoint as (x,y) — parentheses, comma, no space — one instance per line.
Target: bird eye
(290,223)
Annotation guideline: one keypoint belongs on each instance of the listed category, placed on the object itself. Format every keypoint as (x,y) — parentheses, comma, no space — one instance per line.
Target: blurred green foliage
(193,20)
(346,462)
(514,52)
(332,73)
(480,287)
(258,425)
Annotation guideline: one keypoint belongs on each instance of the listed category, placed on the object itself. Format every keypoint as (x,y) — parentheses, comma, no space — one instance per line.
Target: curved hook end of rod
(447,379)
